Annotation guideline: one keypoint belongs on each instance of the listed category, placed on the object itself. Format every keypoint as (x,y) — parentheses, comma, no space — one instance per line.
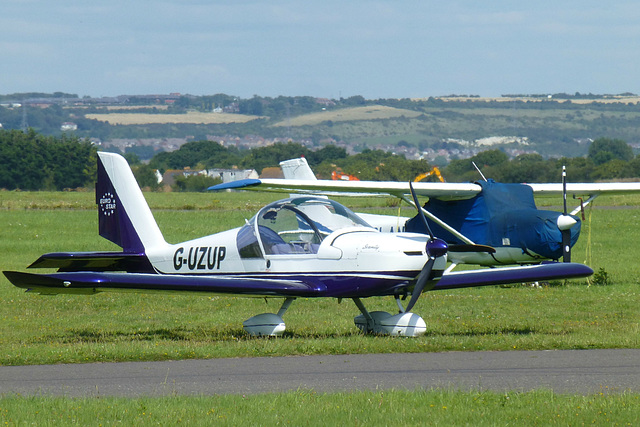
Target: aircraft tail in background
(297,169)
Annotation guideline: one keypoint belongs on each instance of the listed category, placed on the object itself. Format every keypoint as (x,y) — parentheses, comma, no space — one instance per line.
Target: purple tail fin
(123,214)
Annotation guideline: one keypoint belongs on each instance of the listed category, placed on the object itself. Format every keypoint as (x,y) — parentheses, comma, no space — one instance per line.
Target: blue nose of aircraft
(437,248)
(534,230)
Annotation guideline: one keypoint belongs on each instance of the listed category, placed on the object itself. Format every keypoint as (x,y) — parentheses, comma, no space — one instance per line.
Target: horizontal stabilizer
(95,261)
(524,274)
(93,282)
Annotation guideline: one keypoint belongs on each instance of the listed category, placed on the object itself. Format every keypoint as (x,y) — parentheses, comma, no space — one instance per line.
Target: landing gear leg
(400,306)
(285,306)
(368,325)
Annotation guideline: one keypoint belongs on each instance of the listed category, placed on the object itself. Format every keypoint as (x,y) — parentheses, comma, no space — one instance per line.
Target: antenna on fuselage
(479,171)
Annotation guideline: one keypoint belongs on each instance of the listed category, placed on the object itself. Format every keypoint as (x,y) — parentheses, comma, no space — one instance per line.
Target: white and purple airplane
(301,247)
(501,220)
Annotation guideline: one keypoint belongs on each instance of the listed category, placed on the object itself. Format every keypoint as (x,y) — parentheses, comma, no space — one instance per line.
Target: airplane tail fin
(297,169)
(124,216)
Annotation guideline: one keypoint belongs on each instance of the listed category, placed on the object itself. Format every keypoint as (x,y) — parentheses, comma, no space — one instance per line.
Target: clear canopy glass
(294,226)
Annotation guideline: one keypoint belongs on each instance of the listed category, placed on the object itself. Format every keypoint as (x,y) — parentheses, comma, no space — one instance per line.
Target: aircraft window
(286,230)
(295,226)
(329,215)
(247,242)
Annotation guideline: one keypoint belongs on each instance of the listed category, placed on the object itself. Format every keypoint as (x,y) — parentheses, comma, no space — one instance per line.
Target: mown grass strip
(306,407)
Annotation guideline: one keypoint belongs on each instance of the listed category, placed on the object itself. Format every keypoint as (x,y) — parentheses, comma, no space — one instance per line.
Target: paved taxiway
(564,371)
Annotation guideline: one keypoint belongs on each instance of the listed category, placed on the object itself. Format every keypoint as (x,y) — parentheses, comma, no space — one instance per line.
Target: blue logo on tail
(114,223)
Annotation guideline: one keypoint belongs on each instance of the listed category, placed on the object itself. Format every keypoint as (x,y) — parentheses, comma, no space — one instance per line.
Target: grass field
(192,117)
(115,327)
(341,115)
(371,112)
(392,407)
(134,327)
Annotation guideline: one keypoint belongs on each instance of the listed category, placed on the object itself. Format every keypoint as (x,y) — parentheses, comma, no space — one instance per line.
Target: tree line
(607,159)
(31,161)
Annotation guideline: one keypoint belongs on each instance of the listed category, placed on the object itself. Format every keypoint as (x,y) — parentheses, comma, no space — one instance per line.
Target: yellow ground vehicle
(434,171)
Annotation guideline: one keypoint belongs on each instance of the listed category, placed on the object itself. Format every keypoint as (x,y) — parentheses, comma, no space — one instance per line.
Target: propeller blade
(564,188)
(472,248)
(566,245)
(423,278)
(565,222)
(417,203)
(435,248)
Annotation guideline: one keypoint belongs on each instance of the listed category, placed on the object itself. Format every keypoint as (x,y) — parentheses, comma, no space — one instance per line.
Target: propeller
(472,248)
(565,222)
(435,248)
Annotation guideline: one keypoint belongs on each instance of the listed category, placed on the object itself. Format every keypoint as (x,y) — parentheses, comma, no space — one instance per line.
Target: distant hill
(443,127)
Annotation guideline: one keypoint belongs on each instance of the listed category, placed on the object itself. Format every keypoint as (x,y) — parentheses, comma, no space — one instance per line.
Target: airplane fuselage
(347,261)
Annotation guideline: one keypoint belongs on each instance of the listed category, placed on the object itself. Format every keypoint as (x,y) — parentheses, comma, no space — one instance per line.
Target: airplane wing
(94,282)
(440,190)
(586,188)
(87,283)
(504,275)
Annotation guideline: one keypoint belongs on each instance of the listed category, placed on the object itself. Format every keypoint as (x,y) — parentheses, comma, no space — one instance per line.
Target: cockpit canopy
(294,226)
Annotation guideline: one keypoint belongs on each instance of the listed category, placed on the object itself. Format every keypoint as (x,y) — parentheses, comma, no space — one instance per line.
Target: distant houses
(226,175)
(68,127)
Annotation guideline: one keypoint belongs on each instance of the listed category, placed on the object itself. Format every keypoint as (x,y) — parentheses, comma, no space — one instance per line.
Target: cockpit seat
(279,249)
(273,244)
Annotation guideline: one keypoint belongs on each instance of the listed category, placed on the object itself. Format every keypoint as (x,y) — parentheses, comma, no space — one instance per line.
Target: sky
(328,48)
